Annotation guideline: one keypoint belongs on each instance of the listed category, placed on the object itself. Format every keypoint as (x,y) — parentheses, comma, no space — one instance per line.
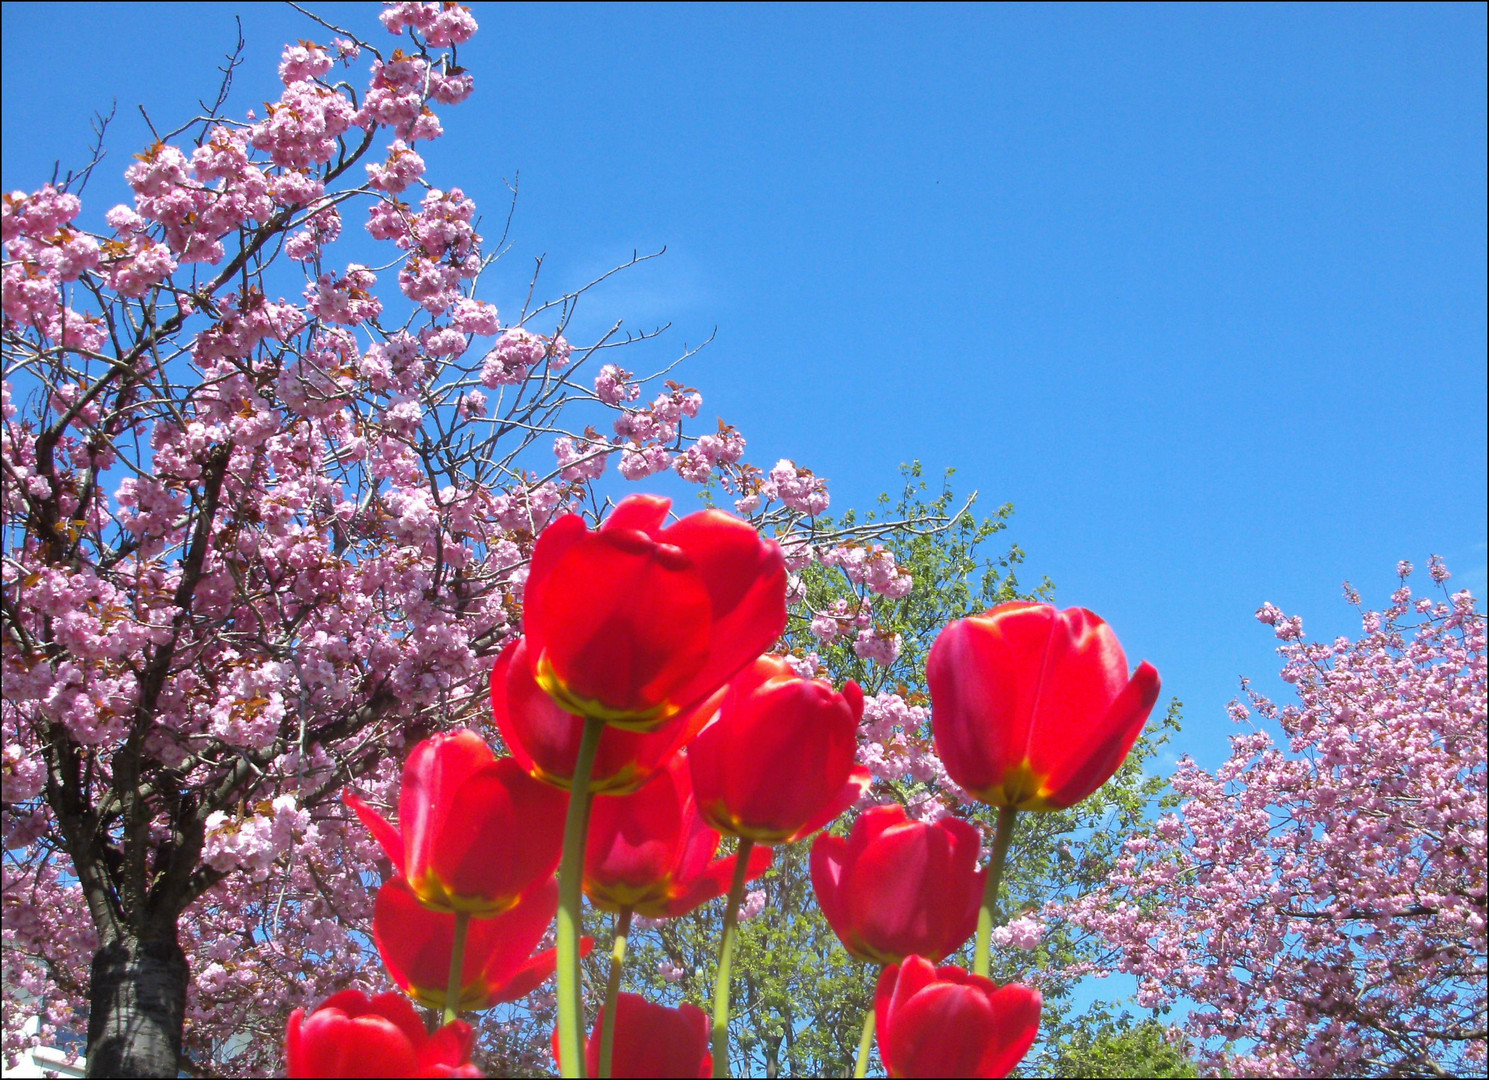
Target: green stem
(612,988)
(1002,837)
(726,956)
(457,967)
(571,906)
(866,1041)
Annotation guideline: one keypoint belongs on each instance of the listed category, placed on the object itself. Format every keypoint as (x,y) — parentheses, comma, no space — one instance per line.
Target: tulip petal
(745,575)
(872,824)
(641,513)
(769,766)
(829,859)
(621,623)
(499,832)
(534,974)
(966,850)
(1084,671)
(860,779)
(898,982)
(435,769)
(449,1047)
(1106,746)
(653,1040)
(944,1030)
(330,1043)
(635,841)
(553,544)
(381,829)
(982,695)
(544,738)
(889,912)
(415,943)
(507,941)
(701,843)
(1015,1027)
(713,882)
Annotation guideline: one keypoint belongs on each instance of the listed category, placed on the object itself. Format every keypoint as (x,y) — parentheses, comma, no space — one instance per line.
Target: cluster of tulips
(644,720)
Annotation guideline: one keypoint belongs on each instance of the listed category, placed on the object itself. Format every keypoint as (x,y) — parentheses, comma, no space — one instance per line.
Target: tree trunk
(137,1008)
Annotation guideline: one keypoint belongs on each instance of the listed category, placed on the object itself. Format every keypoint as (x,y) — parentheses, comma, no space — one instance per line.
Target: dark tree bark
(137,1006)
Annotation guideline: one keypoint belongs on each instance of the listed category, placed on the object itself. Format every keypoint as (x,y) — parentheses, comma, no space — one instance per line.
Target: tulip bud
(635,624)
(944,1022)
(1032,708)
(896,888)
(351,1034)
(474,832)
(776,764)
(651,1040)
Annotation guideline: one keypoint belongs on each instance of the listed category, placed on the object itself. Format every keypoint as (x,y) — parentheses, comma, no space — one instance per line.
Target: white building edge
(42,1060)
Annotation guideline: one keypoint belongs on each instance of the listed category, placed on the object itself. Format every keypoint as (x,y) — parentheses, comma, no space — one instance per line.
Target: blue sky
(1201,290)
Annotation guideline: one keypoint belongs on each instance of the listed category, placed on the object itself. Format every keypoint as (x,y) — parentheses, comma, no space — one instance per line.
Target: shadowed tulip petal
(746,581)
(415,944)
(650,852)
(651,1040)
(544,738)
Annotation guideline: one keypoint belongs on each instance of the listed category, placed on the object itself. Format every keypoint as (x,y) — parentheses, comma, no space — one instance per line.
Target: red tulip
(650,1040)
(777,763)
(474,832)
(544,737)
(635,624)
(354,1035)
(896,888)
(943,1022)
(415,945)
(650,851)
(1032,707)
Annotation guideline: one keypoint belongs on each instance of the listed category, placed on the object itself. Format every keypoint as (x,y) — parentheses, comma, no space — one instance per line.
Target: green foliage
(1101,1048)
(943,546)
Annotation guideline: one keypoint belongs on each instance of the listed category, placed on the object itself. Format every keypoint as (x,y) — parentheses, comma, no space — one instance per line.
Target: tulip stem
(612,988)
(457,967)
(726,956)
(571,905)
(1003,836)
(861,1069)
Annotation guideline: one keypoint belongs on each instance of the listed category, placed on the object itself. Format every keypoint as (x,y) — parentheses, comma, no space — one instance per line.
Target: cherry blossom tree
(266,516)
(1322,901)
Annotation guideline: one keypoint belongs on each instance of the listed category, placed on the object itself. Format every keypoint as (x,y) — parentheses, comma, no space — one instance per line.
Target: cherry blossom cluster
(1322,899)
(264,527)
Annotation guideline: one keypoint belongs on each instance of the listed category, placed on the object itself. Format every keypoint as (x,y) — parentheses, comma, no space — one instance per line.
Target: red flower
(634,624)
(474,832)
(650,1040)
(354,1035)
(650,851)
(544,737)
(896,888)
(1032,707)
(415,945)
(943,1022)
(777,763)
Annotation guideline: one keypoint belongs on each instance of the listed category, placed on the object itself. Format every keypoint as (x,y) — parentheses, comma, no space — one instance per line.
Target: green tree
(1100,1047)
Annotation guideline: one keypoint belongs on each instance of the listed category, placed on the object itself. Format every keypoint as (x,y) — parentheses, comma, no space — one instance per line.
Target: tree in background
(1323,904)
(266,519)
